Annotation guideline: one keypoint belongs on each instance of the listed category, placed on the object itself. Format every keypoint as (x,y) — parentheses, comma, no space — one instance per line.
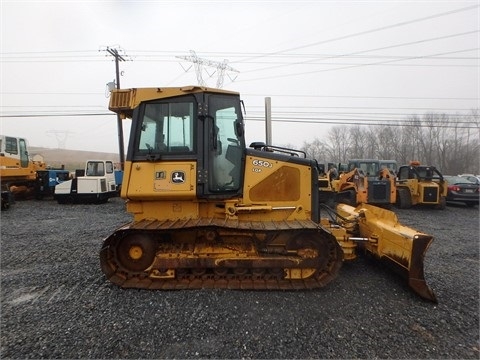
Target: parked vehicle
(208,212)
(460,189)
(420,185)
(94,184)
(473,178)
(47,180)
(390,165)
(361,181)
(18,170)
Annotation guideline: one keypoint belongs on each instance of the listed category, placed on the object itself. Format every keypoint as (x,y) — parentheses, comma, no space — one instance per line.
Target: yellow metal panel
(282,184)
(10,169)
(123,101)
(150,181)
(285,187)
(163,210)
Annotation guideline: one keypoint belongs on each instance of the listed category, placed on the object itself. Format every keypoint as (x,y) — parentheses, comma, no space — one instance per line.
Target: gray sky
(321,62)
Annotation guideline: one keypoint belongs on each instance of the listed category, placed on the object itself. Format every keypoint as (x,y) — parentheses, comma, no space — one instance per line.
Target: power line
(359,97)
(48,93)
(55,115)
(290,55)
(286,110)
(377,49)
(299,109)
(344,37)
(320,59)
(289,119)
(364,122)
(263,95)
(164,58)
(338,68)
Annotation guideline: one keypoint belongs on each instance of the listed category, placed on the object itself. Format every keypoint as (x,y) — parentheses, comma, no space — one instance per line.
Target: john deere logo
(178,177)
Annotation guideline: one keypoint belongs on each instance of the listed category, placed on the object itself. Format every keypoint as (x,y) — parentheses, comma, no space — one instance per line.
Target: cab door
(22,144)
(224,154)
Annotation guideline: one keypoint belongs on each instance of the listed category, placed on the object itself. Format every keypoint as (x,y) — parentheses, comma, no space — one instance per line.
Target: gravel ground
(56,303)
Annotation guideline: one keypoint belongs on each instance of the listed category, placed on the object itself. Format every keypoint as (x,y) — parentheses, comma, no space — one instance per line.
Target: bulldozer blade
(416,276)
(414,271)
(397,245)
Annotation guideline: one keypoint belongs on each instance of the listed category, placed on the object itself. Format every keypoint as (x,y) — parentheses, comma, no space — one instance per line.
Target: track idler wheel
(324,250)
(136,252)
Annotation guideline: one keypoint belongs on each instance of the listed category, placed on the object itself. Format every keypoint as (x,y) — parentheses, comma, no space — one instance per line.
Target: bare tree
(410,134)
(386,142)
(315,150)
(357,143)
(337,144)
(450,142)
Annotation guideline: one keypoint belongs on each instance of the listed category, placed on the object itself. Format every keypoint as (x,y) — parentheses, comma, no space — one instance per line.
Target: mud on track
(56,303)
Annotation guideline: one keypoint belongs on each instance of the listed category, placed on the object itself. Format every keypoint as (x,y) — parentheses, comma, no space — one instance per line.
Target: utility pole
(121,148)
(268,120)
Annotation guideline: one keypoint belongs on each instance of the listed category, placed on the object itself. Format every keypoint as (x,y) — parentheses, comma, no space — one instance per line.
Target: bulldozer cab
(204,128)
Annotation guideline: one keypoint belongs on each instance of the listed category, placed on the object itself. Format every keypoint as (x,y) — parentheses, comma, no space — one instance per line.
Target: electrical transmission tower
(199,63)
(61,137)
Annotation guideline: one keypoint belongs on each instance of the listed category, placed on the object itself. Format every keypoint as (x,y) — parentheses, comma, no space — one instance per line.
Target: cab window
(109,167)
(167,128)
(95,168)
(11,145)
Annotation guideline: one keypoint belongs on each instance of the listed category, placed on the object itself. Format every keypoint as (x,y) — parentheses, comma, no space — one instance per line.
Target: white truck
(94,184)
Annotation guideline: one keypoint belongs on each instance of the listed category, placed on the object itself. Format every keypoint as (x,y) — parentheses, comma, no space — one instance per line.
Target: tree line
(449,142)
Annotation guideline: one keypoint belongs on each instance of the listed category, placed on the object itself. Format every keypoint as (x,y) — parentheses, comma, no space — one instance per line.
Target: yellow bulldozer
(210,212)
